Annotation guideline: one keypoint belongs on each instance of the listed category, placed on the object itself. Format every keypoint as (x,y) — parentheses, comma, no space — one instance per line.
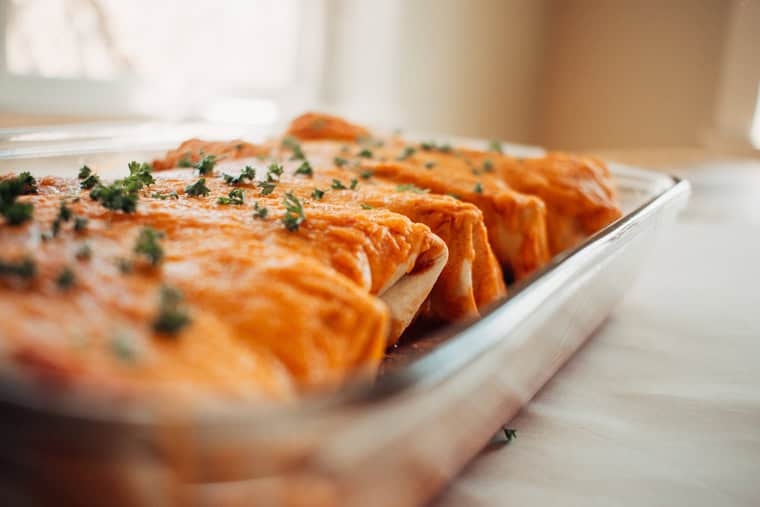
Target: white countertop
(662,405)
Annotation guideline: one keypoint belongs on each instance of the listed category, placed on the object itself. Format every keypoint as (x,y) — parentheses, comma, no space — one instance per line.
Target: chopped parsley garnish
(84,252)
(198,188)
(17,213)
(89,182)
(354,182)
(172,317)
(64,215)
(340,162)
(260,212)
(478,189)
(274,172)
(305,169)
(267,187)
(494,145)
(141,172)
(337,185)
(80,223)
(123,349)
(365,153)
(408,152)
(294,214)
(234,197)
(248,173)
(317,194)
(148,245)
(122,194)
(410,187)
(429,164)
(65,278)
(206,165)
(163,197)
(185,161)
(89,178)
(365,175)
(433,146)
(365,206)
(292,144)
(487,166)
(124,265)
(24,269)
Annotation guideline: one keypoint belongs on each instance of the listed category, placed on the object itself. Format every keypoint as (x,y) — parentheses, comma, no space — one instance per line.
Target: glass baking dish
(394,441)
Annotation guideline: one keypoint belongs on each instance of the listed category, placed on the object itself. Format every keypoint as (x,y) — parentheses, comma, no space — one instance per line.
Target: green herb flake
(266,187)
(141,172)
(408,152)
(455,196)
(337,185)
(317,194)
(294,214)
(148,245)
(65,278)
(410,187)
(123,194)
(206,165)
(293,145)
(494,145)
(186,160)
(89,178)
(25,268)
(354,183)
(172,317)
(365,175)
(198,188)
(365,153)
(234,197)
(429,164)
(340,162)
(487,166)
(123,349)
(365,206)
(478,189)
(80,223)
(248,173)
(260,212)
(305,169)
(433,146)
(84,252)
(124,265)
(17,213)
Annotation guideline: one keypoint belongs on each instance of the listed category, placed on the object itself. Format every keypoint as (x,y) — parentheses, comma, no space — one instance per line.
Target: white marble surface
(662,406)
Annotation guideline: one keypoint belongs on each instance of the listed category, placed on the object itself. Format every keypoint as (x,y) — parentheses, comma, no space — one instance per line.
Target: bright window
(177,57)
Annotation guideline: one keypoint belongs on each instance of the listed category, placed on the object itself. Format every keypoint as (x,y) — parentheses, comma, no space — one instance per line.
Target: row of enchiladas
(263,271)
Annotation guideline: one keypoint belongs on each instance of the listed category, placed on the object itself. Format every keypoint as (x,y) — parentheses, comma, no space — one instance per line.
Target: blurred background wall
(580,74)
